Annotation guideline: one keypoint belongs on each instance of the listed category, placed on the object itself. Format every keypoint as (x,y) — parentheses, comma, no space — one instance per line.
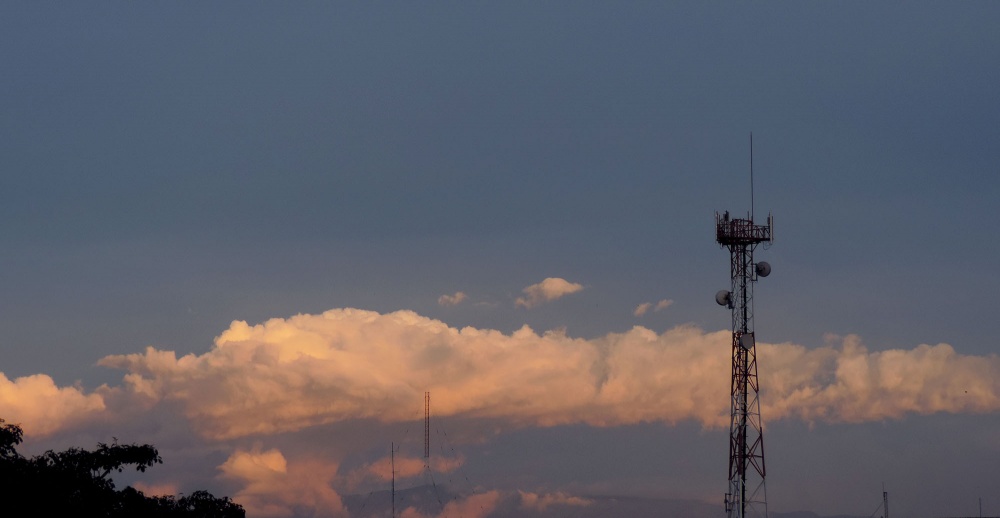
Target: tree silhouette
(77,482)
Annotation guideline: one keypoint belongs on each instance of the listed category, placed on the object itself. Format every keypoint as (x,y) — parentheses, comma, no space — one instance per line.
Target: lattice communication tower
(747,494)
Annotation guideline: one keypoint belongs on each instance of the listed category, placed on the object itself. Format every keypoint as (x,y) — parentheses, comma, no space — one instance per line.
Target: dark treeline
(77,482)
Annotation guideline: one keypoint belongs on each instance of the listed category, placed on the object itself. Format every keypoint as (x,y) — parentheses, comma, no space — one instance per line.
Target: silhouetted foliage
(76,483)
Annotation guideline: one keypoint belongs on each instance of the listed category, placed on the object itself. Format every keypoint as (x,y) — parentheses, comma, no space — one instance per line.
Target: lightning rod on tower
(747,494)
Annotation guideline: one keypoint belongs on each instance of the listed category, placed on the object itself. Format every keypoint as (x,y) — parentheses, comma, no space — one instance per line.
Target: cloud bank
(262,382)
(287,374)
(548,290)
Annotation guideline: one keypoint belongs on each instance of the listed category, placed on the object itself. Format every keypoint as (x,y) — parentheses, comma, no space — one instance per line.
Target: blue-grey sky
(168,169)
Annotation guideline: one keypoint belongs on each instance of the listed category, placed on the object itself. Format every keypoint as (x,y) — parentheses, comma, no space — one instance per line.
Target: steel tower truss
(747,494)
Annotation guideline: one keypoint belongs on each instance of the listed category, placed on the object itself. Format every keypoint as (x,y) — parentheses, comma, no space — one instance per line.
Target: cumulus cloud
(504,503)
(412,466)
(42,408)
(354,369)
(451,300)
(274,487)
(346,364)
(541,502)
(405,467)
(286,374)
(475,506)
(641,309)
(847,383)
(549,289)
(644,308)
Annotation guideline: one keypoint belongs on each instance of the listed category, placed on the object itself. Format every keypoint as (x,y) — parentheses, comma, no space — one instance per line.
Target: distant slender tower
(427,425)
(747,495)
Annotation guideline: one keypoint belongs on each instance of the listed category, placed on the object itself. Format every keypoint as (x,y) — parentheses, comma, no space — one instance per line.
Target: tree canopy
(77,482)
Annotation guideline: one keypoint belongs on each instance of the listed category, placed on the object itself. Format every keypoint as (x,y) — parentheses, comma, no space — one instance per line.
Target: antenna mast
(747,494)
(427,425)
(392,467)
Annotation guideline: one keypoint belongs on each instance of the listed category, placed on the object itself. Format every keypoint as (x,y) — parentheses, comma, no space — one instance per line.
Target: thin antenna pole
(751,176)
(392,467)
(427,425)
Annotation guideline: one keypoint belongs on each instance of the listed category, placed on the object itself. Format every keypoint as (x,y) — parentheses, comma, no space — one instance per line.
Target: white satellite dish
(763,269)
(746,341)
(724,298)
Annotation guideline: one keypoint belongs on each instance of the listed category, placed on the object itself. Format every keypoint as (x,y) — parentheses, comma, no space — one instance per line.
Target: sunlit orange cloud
(345,364)
(42,408)
(541,502)
(551,288)
(410,466)
(451,300)
(275,487)
(846,382)
(475,506)
(644,308)
(382,469)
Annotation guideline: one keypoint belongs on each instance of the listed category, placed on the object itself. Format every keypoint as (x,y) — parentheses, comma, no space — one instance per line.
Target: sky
(254,234)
